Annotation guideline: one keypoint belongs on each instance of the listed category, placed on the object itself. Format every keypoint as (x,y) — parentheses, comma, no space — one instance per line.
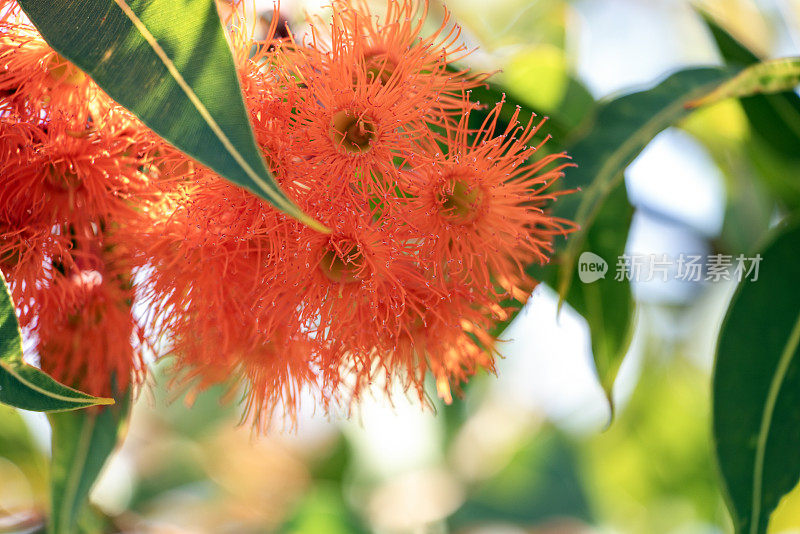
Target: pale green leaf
(773,76)
(81,444)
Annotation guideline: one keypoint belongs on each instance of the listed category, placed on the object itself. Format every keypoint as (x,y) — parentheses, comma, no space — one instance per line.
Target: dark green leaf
(749,208)
(81,443)
(622,129)
(170,64)
(607,303)
(732,50)
(777,171)
(756,388)
(774,117)
(24,386)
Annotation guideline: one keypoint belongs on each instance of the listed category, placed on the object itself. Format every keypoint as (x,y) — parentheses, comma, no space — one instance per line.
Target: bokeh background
(529,450)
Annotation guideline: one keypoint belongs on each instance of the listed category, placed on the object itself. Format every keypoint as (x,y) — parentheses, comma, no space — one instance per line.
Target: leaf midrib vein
(273,192)
(789,350)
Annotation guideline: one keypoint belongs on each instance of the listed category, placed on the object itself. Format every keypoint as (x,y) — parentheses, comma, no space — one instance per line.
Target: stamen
(9,253)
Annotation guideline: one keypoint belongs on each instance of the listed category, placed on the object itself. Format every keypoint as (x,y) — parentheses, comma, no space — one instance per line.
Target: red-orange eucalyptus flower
(448,336)
(354,127)
(72,175)
(366,286)
(270,369)
(424,225)
(346,133)
(85,330)
(73,196)
(229,320)
(22,230)
(394,51)
(33,77)
(482,205)
(365,126)
(56,182)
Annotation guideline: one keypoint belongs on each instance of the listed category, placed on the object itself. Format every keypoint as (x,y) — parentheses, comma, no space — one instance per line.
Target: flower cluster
(73,198)
(434,210)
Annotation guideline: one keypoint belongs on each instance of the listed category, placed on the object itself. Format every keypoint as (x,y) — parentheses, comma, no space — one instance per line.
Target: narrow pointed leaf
(25,386)
(81,444)
(170,64)
(756,388)
(774,117)
(628,124)
(772,76)
(607,303)
(622,129)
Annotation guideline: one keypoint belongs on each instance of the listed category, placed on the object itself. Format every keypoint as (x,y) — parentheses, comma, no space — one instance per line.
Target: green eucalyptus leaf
(81,443)
(775,118)
(171,65)
(620,130)
(773,76)
(25,386)
(623,128)
(756,388)
(607,303)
